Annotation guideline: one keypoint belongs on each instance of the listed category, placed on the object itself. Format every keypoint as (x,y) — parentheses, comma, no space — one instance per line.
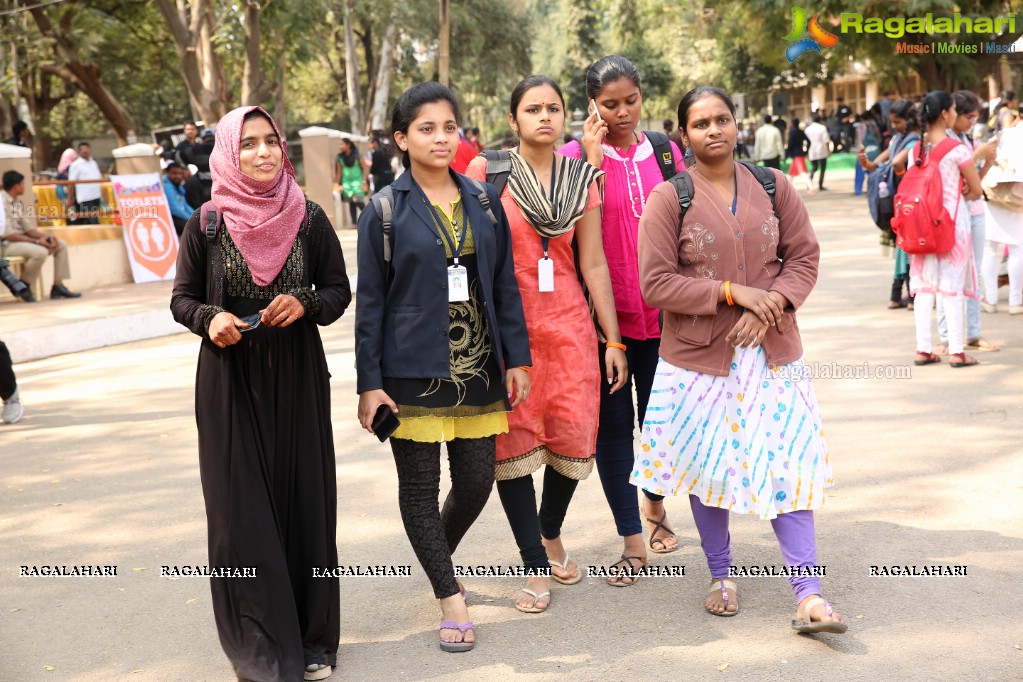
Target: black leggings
(616,432)
(898,284)
(435,534)
(8,385)
(822,164)
(519,500)
(354,209)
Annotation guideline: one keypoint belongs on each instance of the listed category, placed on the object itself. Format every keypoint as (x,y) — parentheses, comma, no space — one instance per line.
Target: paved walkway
(929,471)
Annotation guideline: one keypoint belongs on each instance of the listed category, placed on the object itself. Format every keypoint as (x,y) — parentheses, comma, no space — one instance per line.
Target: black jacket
(401,329)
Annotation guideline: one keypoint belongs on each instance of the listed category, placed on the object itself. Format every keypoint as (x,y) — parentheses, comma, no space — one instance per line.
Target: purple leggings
(794,531)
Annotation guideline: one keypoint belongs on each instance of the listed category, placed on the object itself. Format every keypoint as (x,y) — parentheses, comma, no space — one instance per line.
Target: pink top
(631,175)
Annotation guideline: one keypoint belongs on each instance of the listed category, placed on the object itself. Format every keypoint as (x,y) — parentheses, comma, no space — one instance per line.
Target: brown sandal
(926,359)
(964,360)
(981,344)
(804,624)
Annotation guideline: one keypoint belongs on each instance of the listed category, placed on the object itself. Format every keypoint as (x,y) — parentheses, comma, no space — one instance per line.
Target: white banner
(149,234)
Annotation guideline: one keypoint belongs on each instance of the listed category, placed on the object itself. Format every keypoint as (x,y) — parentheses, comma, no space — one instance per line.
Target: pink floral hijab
(262,218)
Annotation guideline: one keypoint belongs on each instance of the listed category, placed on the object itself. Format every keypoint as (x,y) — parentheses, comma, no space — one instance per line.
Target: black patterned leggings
(435,533)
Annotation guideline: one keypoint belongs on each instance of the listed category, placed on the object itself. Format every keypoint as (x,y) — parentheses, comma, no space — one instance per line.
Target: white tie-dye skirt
(751,441)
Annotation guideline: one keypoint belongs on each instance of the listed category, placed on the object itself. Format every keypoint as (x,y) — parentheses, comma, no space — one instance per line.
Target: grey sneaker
(13,410)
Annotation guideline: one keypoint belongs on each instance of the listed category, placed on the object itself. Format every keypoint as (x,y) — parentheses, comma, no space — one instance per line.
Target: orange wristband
(523,367)
(728,293)
(619,346)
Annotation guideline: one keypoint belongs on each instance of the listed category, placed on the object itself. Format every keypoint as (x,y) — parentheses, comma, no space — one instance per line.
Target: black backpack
(383,203)
(499,162)
(683,185)
(499,168)
(882,209)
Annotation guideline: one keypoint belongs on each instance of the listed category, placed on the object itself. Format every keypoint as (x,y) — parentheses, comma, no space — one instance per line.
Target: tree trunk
(385,70)
(82,74)
(444,57)
(191,23)
(280,101)
(352,75)
(255,88)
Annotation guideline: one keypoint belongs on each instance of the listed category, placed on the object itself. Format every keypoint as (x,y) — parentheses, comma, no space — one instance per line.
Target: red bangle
(619,346)
(728,293)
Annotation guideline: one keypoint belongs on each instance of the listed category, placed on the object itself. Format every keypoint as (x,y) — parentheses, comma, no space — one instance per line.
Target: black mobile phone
(251,320)
(385,422)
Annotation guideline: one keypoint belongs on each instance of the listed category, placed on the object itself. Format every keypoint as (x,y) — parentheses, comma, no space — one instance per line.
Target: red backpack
(921,223)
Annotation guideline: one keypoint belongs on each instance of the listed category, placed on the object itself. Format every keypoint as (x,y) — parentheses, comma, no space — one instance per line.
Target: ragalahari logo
(818,36)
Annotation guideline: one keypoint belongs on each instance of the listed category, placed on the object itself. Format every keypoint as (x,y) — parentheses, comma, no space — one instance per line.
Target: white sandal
(564,567)
(536,597)
(317,671)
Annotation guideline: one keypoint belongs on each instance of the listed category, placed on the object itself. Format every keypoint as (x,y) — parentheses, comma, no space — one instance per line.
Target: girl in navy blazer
(440,338)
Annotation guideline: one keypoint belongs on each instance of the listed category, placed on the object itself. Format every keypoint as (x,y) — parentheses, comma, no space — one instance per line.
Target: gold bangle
(728,293)
(619,346)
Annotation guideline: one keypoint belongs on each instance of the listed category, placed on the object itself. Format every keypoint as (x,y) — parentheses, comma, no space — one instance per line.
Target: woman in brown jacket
(733,421)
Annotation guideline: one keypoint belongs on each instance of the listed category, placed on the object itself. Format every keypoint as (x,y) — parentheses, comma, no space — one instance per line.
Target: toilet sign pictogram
(149,233)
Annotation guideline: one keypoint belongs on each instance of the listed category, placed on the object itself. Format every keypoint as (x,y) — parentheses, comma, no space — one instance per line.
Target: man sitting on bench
(22,238)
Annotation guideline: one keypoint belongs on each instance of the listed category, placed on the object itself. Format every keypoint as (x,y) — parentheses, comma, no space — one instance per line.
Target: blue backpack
(882,209)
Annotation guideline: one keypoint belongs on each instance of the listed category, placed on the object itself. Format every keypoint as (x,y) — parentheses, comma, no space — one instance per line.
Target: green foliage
(736,44)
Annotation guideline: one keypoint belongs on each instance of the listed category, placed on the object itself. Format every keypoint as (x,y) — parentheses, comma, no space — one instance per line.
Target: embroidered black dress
(266,450)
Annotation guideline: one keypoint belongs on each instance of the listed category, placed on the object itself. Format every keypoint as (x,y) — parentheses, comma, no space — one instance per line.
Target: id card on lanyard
(545,266)
(458,276)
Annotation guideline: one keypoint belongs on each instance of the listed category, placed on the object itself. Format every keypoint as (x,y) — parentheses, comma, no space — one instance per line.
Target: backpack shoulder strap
(213,219)
(383,202)
(765,177)
(662,150)
(683,185)
(212,216)
(498,168)
(946,145)
(481,196)
(582,151)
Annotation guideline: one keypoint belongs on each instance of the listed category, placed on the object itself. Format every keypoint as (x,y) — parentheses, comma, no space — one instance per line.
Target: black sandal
(659,525)
(617,581)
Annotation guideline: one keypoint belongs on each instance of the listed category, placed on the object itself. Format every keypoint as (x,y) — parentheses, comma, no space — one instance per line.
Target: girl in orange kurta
(551,200)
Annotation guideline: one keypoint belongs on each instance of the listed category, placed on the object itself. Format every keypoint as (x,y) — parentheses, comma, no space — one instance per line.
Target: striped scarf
(572,187)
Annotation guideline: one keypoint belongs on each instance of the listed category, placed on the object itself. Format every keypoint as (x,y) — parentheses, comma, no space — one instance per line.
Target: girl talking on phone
(611,143)
(440,338)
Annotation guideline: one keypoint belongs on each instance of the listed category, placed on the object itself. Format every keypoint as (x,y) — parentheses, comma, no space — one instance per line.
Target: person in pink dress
(550,201)
(626,156)
(946,277)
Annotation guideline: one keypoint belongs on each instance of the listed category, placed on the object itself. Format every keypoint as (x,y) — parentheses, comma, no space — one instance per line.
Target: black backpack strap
(662,150)
(683,185)
(481,195)
(765,177)
(303,240)
(498,168)
(210,219)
